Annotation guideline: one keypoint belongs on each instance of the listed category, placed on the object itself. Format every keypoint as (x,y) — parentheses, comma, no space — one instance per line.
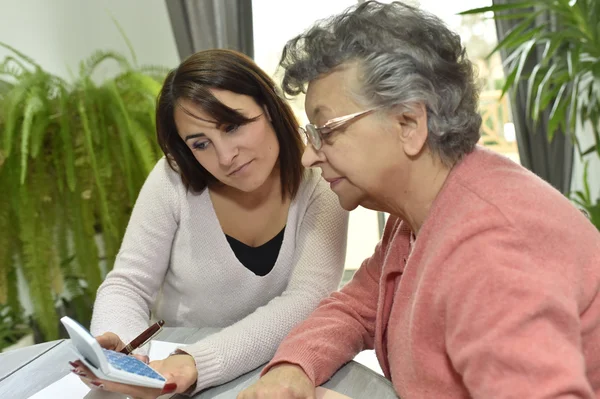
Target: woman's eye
(200,145)
(231,128)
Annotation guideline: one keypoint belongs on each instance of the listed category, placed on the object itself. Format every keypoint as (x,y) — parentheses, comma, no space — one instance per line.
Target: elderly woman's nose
(311,157)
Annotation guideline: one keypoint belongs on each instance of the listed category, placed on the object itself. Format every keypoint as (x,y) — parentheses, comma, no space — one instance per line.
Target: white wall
(60,33)
(585,135)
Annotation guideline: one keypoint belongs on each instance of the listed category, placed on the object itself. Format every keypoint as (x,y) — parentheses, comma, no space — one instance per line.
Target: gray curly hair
(406,56)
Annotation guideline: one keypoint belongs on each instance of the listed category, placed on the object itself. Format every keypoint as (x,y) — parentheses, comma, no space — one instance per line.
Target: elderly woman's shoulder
(491,187)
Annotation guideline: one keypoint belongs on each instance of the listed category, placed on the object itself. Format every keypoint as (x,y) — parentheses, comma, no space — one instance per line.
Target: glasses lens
(303,135)
(314,136)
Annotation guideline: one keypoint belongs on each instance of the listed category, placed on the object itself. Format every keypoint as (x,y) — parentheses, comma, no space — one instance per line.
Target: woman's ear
(413,129)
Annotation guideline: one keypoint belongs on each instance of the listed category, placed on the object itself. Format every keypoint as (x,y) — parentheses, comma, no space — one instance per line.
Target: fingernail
(170,387)
(79,373)
(74,365)
(97,384)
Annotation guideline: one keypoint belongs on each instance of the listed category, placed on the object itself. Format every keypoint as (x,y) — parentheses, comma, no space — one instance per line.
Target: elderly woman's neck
(413,202)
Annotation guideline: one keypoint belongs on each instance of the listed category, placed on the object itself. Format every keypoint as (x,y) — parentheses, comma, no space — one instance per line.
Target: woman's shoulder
(162,184)
(313,185)
(163,171)
(314,194)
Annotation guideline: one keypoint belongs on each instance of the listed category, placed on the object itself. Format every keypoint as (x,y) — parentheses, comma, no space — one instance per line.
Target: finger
(143,358)
(110,341)
(82,370)
(125,389)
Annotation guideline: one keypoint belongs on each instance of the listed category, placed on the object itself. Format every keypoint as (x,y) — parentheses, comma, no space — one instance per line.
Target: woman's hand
(179,370)
(285,381)
(111,341)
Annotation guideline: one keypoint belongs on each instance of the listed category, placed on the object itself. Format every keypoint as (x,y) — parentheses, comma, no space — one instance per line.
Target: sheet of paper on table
(324,393)
(71,387)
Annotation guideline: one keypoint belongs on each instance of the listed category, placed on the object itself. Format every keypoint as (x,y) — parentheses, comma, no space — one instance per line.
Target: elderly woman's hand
(285,381)
(179,370)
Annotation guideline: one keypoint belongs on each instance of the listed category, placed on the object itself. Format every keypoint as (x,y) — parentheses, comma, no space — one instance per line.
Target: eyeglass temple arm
(342,120)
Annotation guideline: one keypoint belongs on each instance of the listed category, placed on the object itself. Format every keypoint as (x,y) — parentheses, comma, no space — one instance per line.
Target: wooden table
(23,372)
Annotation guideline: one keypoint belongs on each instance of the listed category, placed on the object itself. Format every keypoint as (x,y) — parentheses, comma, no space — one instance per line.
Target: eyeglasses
(316,135)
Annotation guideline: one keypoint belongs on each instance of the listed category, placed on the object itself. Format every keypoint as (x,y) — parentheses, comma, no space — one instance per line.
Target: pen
(143,338)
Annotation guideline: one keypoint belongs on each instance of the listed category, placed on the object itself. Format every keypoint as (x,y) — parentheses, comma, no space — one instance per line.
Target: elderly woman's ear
(413,129)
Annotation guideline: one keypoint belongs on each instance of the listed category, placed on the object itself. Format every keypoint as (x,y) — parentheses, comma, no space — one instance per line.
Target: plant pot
(27,340)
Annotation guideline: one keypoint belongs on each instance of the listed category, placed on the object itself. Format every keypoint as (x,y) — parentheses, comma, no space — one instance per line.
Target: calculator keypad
(120,361)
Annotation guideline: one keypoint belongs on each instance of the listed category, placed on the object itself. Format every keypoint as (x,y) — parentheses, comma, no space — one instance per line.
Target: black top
(260,260)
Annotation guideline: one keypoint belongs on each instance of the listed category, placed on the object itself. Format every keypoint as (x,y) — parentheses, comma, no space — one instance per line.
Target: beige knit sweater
(175,264)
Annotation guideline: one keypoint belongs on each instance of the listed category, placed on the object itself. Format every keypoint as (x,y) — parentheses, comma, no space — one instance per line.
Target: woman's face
(362,160)
(242,157)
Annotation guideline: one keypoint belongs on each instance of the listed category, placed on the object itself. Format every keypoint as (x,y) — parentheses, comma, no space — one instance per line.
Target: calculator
(110,365)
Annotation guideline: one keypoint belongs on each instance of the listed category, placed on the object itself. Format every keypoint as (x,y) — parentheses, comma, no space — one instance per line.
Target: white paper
(71,386)
(324,393)
(161,349)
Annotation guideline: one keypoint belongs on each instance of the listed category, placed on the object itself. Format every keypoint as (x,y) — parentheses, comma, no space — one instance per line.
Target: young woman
(229,229)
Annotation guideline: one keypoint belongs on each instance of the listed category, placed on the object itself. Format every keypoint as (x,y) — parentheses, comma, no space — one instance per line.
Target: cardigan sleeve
(343,324)
(318,265)
(143,259)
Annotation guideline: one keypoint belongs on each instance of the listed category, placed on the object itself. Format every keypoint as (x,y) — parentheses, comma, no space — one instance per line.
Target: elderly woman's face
(361,160)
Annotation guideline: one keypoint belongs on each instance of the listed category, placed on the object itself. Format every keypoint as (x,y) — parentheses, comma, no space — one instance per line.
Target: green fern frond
(66,136)
(21,55)
(33,105)
(158,73)
(32,236)
(126,39)
(144,84)
(105,212)
(88,66)
(122,132)
(15,104)
(5,251)
(40,128)
(12,67)
(143,146)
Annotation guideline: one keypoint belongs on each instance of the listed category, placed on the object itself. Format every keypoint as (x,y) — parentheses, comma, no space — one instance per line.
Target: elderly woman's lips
(334,182)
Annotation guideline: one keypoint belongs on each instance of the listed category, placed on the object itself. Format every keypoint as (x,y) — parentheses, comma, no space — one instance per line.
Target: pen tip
(161,323)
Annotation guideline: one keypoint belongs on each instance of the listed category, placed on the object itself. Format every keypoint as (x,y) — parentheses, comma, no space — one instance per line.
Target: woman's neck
(412,201)
(269,191)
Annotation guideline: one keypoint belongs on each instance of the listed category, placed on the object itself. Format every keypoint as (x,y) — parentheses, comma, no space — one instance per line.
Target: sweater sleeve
(513,326)
(343,324)
(125,298)
(318,263)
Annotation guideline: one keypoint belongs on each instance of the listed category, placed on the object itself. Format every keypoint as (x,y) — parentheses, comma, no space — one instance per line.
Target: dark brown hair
(235,72)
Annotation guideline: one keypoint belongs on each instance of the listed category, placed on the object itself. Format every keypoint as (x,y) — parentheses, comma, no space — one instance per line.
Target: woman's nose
(226,153)
(312,157)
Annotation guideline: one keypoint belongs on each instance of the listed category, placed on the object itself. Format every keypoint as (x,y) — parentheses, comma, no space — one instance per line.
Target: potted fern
(566,79)
(73,156)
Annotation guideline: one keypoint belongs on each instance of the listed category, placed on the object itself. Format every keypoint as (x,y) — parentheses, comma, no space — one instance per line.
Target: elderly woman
(486,281)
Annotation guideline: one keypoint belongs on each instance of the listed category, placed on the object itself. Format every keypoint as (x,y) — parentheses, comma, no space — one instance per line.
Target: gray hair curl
(406,56)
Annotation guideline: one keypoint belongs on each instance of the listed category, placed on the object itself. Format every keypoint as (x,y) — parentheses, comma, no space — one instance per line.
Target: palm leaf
(500,7)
